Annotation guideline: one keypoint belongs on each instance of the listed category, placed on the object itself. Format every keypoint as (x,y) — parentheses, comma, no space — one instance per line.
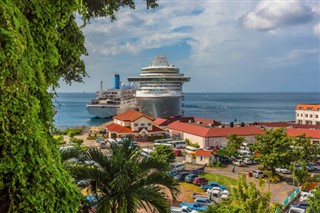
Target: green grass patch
(220,179)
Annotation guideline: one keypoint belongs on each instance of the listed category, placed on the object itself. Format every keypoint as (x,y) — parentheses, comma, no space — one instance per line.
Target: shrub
(59,139)
(273,178)
(72,131)
(217,164)
(77,141)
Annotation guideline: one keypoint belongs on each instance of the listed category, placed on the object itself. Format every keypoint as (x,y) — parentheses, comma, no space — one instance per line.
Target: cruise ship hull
(102,111)
(162,107)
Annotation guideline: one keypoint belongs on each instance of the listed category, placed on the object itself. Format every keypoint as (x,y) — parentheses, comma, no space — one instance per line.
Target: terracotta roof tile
(313,107)
(189,128)
(131,115)
(118,128)
(214,132)
(313,133)
(154,129)
(205,153)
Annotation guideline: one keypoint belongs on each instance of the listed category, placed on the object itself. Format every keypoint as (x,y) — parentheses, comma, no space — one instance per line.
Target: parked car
(315,166)
(190,178)
(193,206)
(283,170)
(301,205)
(257,174)
(177,152)
(247,161)
(207,148)
(183,209)
(209,185)
(238,163)
(202,201)
(181,176)
(199,180)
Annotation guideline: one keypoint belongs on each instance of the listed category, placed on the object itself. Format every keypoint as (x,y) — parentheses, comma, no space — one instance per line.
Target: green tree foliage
(245,198)
(164,153)
(126,181)
(303,149)
(40,43)
(234,144)
(301,175)
(314,201)
(274,148)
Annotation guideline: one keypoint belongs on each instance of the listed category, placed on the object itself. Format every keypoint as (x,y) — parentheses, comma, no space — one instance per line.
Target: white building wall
(142,122)
(308,117)
(213,141)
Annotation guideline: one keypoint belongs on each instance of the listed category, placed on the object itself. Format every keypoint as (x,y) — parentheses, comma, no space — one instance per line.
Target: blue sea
(225,107)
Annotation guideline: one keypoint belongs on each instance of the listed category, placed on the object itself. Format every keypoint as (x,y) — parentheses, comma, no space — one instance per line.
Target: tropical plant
(314,201)
(164,153)
(301,174)
(233,145)
(125,181)
(41,43)
(274,148)
(246,198)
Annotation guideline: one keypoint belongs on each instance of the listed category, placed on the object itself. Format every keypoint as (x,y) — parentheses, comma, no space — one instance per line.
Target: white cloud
(270,15)
(316,29)
(206,41)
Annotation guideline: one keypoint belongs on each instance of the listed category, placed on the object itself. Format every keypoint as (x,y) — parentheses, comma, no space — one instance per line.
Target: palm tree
(124,181)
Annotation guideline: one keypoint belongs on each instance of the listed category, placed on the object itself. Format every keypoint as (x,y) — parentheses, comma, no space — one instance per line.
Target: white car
(283,170)
(247,161)
(257,174)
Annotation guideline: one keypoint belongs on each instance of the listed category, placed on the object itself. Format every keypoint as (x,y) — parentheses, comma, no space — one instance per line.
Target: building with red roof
(314,134)
(201,157)
(196,120)
(135,125)
(308,114)
(212,136)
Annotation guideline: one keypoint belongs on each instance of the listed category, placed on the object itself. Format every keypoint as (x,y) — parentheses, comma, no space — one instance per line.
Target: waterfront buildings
(135,125)
(212,136)
(308,114)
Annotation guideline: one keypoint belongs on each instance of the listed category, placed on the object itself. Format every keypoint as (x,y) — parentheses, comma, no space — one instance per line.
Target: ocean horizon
(223,106)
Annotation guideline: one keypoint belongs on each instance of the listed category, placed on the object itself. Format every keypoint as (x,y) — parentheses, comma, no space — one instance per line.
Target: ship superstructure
(159,92)
(114,101)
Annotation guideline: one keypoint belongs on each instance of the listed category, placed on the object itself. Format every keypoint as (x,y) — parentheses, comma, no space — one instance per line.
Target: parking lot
(280,191)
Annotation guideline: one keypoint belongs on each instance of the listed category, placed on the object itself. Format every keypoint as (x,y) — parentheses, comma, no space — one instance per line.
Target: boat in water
(114,101)
(159,92)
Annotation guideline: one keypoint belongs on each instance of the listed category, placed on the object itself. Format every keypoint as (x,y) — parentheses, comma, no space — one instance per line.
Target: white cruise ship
(114,101)
(159,92)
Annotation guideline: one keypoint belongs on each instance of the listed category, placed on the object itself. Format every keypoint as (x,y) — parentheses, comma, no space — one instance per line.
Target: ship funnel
(101,85)
(116,84)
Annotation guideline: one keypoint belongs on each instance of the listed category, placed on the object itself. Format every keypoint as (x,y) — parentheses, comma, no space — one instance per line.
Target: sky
(224,46)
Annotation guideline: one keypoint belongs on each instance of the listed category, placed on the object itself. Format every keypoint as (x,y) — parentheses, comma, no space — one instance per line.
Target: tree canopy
(125,181)
(164,153)
(234,144)
(245,198)
(276,149)
(40,43)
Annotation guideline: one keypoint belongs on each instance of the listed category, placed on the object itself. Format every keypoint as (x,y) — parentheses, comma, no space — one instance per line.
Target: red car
(177,151)
(200,180)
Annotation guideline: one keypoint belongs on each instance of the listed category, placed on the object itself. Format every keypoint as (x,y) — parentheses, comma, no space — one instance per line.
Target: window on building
(149,124)
(142,124)
(297,114)
(300,108)
(310,116)
(135,124)
(309,109)
(201,158)
(316,116)
(306,115)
